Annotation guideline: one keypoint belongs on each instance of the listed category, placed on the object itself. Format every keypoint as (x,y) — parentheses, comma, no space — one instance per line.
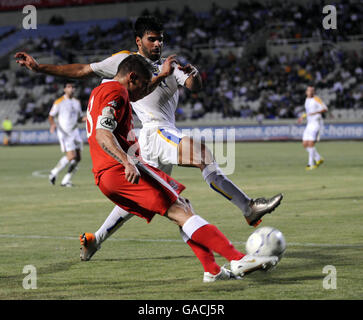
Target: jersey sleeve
(108,68)
(320,103)
(111,109)
(54,110)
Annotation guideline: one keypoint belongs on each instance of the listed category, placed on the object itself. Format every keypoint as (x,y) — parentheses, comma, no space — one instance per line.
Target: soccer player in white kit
(314,108)
(160,141)
(67,109)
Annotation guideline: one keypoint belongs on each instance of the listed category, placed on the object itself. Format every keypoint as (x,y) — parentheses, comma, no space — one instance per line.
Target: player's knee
(180,211)
(187,206)
(205,157)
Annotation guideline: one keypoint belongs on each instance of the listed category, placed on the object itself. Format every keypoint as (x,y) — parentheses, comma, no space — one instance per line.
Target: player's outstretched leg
(90,243)
(252,209)
(212,271)
(209,236)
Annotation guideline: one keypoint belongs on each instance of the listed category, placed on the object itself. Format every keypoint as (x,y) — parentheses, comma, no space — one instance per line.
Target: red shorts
(145,199)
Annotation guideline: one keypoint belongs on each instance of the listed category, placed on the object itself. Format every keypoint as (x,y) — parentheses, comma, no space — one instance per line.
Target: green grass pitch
(320,216)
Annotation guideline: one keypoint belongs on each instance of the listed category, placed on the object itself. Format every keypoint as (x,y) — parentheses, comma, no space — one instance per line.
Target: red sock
(213,239)
(205,256)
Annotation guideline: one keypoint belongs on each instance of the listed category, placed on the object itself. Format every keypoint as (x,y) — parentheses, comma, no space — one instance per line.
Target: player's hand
(52,128)
(132,174)
(168,66)
(27,61)
(189,69)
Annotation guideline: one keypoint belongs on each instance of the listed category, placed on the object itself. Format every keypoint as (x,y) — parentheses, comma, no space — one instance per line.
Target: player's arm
(106,124)
(52,124)
(75,70)
(110,145)
(166,70)
(194,81)
(322,107)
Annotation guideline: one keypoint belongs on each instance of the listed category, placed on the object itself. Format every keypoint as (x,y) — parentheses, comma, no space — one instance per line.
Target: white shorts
(159,146)
(312,132)
(70,142)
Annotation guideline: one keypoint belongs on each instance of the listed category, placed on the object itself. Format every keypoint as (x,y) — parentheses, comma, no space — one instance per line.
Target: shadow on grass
(329,199)
(49,269)
(146,258)
(307,264)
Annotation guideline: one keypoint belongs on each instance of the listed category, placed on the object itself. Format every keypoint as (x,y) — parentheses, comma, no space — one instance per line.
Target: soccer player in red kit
(143,190)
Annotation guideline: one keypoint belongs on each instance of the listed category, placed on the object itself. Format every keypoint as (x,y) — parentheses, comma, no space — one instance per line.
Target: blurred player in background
(8,128)
(150,191)
(314,108)
(67,109)
(162,144)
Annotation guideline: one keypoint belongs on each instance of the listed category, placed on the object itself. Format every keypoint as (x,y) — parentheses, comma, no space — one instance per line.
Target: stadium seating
(241,86)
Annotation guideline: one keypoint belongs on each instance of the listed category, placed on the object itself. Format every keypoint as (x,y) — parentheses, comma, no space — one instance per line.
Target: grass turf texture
(320,216)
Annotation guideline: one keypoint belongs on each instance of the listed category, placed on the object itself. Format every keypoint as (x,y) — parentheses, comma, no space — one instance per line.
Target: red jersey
(109,98)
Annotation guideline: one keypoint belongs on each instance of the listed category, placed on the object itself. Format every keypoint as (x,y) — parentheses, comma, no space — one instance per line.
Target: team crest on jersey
(155,69)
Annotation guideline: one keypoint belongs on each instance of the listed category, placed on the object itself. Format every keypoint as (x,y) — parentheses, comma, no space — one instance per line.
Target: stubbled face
(138,87)
(69,90)
(150,45)
(310,91)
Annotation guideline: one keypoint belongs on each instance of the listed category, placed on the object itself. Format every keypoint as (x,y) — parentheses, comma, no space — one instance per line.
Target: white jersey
(312,105)
(157,108)
(68,112)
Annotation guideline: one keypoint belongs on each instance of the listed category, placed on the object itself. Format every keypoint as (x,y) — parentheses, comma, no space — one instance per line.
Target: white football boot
(250,263)
(224,274)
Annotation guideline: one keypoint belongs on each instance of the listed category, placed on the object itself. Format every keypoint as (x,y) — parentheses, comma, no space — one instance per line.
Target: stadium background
(255,58)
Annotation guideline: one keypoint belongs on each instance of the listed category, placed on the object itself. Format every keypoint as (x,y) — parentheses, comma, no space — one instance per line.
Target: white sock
(62,163)
(184,236)
(191,225)
(317,156)
(114,221)
(311,156)
(71,170)
(216,179)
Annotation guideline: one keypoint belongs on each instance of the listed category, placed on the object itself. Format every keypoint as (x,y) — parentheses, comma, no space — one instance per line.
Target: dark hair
(73,83)
(147,23)
(135,63)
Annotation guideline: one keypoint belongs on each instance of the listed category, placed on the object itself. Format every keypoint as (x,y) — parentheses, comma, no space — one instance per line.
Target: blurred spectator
(264,86)
(7,126)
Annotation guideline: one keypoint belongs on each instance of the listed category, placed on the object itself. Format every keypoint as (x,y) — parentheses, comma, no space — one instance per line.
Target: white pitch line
(289,244)
(41,173)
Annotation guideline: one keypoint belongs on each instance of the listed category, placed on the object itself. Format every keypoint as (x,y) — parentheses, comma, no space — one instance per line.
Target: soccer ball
(266,241)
